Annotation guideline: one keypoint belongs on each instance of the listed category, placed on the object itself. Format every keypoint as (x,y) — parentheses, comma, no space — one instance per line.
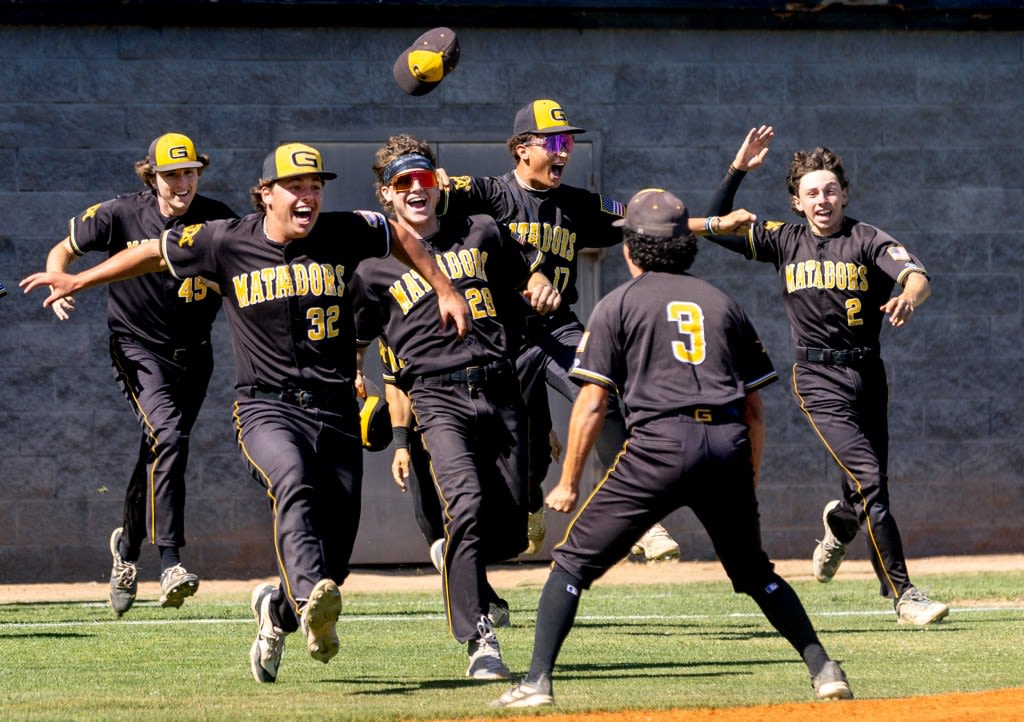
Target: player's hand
(63,307)
(899,308)
(360,386)
(556,446)
(735,223)
(400,468)
(543,298)
(562,498)
(454,309)
(61,285)
(754,149)
(444,182)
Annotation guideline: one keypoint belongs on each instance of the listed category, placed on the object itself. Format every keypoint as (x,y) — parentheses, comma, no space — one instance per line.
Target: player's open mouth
(416,203)
(557,169)
(303,214)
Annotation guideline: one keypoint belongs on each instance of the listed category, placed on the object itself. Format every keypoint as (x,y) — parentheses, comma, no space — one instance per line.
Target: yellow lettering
(401,297)
(316,279)
(301,279)
(570,251)
(330,287)
(829,276)
(283,282)
(268,275)
(241,284)
(451,260)
(255,288)
(790,279)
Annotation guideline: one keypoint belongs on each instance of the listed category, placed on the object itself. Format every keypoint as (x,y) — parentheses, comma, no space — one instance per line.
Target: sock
(555,616)
(784,610)
(169,557)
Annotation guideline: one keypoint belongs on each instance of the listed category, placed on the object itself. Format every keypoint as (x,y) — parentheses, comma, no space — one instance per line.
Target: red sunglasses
(404,182)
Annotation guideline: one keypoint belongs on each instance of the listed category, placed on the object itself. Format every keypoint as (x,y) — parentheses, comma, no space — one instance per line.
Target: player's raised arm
(58,259)
(131,262)
(452,306)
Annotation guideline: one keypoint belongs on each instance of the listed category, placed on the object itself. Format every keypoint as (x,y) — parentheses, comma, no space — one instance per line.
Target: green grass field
(655,647)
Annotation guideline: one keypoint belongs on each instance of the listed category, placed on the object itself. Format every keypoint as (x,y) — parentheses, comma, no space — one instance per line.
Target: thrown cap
(292,159)
(374,419)
(425,63)
(172,151)
(542,116)
(656,213)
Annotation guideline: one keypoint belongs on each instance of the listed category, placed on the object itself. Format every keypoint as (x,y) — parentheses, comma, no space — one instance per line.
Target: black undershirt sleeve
(722,201)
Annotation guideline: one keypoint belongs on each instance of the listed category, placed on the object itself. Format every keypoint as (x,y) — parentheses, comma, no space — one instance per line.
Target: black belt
(834,357)
(296,397)
(472,376)
(178,354)
(707,414)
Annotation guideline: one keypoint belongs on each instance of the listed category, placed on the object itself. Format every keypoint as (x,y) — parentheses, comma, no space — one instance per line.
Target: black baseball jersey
(690,344)
(289,304)
(559,222)
(155,307)
(833,288)
(484,263)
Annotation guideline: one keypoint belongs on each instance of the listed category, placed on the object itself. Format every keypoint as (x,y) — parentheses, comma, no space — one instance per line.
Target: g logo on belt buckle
(702,415)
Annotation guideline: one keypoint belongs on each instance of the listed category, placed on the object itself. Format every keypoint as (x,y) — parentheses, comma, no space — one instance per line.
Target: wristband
(400,434)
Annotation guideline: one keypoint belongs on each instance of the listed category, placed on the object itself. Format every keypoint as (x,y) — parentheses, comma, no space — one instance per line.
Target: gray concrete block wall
(928,123)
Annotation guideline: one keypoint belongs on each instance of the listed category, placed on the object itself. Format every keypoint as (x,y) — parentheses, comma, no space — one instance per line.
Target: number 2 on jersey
(689,320)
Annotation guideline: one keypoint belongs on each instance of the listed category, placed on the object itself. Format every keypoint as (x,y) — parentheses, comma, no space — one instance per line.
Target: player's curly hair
(517,140)
(670,255)
(808,161)
(396,147)
(144,169)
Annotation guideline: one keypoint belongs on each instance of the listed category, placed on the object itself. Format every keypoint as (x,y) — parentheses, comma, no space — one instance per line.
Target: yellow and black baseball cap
(293,159)
(425,63)
(543,117)
(172,151)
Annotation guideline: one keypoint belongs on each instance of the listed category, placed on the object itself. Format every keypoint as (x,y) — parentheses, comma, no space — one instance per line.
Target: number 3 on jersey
(689,320)
(323,322)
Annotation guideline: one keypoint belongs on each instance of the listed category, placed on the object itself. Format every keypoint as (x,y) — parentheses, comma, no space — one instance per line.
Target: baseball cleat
(437,555)
(830,552)
(913,607)
(656,545)
(319,620)
(176,583)
(524,695)
(536,529)
(124,582)
(499,614)
(485,654)
(265,653)
(830,682)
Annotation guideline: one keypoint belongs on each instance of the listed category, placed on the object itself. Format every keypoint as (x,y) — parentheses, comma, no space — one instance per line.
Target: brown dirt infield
(1004,705)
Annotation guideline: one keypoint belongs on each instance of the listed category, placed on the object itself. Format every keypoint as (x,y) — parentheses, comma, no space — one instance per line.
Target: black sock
(169,557)
(555,616)
(784,610)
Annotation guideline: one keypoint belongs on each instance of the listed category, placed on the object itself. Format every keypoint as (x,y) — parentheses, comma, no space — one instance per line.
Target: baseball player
(285,271)
(160,349)
(838,276)
(561,221)
(465,395)
(688,366)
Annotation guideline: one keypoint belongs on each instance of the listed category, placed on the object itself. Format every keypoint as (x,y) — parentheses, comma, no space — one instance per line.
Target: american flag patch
(610,205)
(372,218)
(898,253)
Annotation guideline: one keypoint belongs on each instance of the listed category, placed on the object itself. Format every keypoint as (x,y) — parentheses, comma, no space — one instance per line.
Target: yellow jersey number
(481,302)
(853,306)
(323,322)
(193,289)
(689,320)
